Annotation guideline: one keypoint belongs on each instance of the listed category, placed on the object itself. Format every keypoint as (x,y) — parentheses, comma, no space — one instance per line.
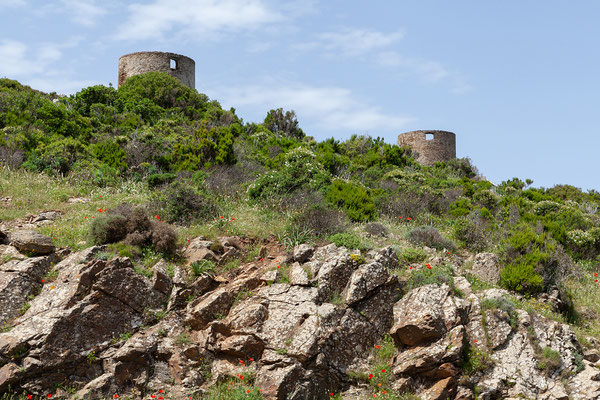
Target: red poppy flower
(157,217)
(383,370)
(595,274)
(279,266)
(241,376)
(160,390)
(408,218)
(370,376)
(233,219)
(248,391)
(84,217)
(49,395)
(476,341)
(251,359)
(161,398)
(29,396)
(116,396)
(99,210)
(428,266)
(221,217)
(43,281)
(399,217)
(409,267)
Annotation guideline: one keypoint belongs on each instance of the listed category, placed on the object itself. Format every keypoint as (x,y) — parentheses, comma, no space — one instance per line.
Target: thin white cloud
(427,71)
(83,12)
(199,19)
(35,66)
(330,108)
(352,42)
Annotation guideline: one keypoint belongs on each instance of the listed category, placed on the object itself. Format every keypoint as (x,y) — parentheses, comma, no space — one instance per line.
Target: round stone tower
(432,146)
(181,67)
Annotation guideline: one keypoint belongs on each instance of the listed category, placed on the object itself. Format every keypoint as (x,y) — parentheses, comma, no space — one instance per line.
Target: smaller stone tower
(181,67)
(432,146)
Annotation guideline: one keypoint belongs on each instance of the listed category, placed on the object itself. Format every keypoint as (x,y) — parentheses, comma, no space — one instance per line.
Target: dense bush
(347,240)
(533,261)
(182,204)
(376,229)
(320,220)
(473,233)
(354,199)
(430,237)
(133,226)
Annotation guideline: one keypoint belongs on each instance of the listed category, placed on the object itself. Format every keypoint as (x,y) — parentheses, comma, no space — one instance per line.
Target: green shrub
(486,198)
(354,199)
(549,360)
(476,360)
(461,207)
(347,240)
(472,233)
(202,267)
(533,261)
(436,275)
(109,153)
(546,207)
(108,229)
(430,237)
(320,220)
(412,255)
(155,180)
(182,204)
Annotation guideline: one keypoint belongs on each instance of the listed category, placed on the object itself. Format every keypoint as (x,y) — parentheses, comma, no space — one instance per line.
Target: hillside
(154,245)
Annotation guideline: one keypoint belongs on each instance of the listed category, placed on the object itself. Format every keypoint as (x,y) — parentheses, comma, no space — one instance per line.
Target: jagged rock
(32,242)
(47,216)
(18,281)
(160,278)
(464,393)
(498,328)
(3,238)
(586,384)
(486,267)
(364,280)
(193,255)
(378,308)
(270,276)
(427,359)
(298,275)
(231,242)
(209,307)
(302,253)
(334,274)
(441,390)
(387,257)
(243,346)
(425,314)
(591,355)
(9,253)
(87,306)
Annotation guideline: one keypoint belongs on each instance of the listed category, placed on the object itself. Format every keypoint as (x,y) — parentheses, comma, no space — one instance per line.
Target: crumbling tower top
(176,65)
(432,146)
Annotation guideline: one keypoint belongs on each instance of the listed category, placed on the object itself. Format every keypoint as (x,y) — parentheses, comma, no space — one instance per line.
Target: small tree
(283,123)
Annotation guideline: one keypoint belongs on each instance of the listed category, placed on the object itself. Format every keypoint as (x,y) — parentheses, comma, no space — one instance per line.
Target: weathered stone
(302,253)
(200,254)
(3,238)
(20,280)
(498,327)
(209,307)
(425,314)
(464,393)
(364,280)
(387,257)
(242,346)
(9,375)
(277,381)
(441,390)
(32,242)
(334,274)
(298,275)
(591,355)
(270,276)
(47,216)
(486,267)
(231,242)
(160,278)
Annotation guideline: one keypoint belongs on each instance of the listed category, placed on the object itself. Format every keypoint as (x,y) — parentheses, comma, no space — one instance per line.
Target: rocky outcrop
(312,327)
(28,241)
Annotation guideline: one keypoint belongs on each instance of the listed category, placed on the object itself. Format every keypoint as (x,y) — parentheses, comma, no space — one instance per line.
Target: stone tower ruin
(176,65)
(432,146)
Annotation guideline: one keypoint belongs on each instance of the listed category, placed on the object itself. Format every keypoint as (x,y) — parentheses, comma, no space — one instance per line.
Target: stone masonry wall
(147,61)
(441,148)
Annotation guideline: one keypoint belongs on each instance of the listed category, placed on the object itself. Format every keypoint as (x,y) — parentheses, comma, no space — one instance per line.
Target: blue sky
(517,81)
